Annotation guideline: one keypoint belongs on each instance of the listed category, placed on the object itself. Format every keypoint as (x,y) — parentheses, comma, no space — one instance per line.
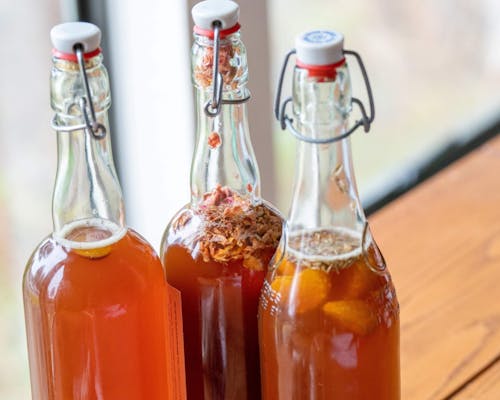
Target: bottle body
(96,320)
(329,326)
(218,261)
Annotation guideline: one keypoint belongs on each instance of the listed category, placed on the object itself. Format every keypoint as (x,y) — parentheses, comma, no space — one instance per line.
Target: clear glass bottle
(216,249)
(328,316)
(94,291)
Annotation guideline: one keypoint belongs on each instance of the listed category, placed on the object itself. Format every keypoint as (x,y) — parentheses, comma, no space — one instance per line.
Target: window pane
(432,64)
(27,169)
(152,105)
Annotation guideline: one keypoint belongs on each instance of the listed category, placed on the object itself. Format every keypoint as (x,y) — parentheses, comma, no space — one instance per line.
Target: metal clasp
(96,129)
(287,122)
(213,107)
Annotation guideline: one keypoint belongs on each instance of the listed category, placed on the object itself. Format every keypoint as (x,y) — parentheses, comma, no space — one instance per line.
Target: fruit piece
(311,289)
(308,289)
(352,315)
(281,285)
(94,253)
(286,267)
(360,281)
(354,282)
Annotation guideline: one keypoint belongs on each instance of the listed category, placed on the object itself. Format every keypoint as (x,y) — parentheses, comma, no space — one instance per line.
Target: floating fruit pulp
(329,325)
(96,318)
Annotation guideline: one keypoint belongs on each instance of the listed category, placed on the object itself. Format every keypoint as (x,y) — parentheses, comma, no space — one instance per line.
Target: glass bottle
(328,316)
(216,249)
(94,290)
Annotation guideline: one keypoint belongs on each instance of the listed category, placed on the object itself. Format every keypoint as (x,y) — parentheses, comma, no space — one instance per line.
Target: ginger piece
(355,316)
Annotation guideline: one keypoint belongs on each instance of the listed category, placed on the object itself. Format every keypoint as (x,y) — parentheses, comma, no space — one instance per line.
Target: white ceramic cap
(65,36)
(320,47)
(207,12)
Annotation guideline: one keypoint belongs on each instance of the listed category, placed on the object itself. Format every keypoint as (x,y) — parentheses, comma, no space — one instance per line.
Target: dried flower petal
(214,140)
(233,228)
(203,71)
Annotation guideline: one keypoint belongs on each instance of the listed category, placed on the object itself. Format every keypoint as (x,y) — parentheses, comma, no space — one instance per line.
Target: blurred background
(434,66)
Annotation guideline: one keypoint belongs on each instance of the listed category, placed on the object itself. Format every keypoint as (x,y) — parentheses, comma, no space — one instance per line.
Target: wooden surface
(441,242)
(486,386)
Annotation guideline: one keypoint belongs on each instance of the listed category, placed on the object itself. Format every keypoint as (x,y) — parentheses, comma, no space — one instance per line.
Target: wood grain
(441,242)
(485,387)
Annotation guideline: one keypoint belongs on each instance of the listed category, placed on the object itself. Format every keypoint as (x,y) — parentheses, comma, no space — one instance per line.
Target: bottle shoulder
(351,285)
(332,251)
(222,219)
(56,270)
(225,227)
(180,226)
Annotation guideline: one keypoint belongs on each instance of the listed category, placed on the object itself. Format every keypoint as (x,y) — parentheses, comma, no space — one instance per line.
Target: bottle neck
(325,194)
(223,153)
(86,187)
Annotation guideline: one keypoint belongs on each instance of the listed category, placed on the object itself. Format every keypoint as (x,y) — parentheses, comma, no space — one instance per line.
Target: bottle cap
(65,36)
(320,47)
(207,12)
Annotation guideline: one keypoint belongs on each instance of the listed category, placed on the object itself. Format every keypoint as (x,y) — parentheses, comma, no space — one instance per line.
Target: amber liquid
(219,308)
(96,321)
(330,330)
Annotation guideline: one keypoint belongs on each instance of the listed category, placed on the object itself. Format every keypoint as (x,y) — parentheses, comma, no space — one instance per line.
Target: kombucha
(217,256)
(95,305)
(329,324)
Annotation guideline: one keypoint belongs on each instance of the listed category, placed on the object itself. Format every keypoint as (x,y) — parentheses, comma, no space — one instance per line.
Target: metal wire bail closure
(287,122)
(213,107)
(96,129)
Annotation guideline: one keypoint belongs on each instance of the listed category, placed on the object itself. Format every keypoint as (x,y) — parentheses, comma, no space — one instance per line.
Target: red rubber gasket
(321,71)
(72,56)
(210,33)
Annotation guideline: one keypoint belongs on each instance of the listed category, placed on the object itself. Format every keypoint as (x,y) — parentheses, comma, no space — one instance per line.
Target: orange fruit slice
(281,285)
(304,291)
(311,289)
(352,315)
(286,267)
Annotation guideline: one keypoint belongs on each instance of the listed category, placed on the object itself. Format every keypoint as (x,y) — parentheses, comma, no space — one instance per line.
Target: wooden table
(441,242)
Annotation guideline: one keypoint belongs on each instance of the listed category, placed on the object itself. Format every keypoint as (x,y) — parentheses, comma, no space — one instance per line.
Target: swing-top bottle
(94,291)
(217,248)
(328,317)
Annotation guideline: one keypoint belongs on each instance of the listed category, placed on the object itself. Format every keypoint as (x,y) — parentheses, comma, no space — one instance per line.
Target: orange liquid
(330,333)
(96,322)
(219,307)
